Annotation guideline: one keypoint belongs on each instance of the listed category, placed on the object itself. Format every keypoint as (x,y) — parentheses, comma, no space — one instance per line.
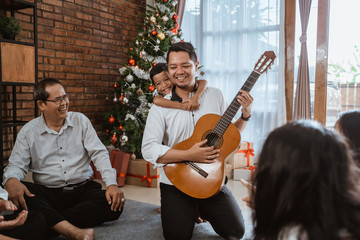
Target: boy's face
(162,83)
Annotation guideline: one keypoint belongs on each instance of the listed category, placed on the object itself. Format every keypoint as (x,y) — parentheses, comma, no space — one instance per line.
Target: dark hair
(40,92)
(349,123)
(306,178)
(158,68)
(183,47)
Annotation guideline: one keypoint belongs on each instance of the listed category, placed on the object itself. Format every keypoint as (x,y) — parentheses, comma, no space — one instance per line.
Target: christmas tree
(132,95)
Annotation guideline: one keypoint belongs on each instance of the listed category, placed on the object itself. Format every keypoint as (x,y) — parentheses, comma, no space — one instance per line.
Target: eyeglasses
(59,100)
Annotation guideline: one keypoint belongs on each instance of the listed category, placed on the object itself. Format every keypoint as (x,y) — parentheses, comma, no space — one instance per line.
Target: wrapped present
(244,157)
(142,173)
(228,171)
(120,161)
(244,173)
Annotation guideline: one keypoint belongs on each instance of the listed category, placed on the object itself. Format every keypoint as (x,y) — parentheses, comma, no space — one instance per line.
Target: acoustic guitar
(200,180)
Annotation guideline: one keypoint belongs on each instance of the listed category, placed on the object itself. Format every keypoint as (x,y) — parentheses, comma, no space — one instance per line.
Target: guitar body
(192,182)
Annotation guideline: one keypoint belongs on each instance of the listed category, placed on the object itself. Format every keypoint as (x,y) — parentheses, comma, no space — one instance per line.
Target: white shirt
(57,159)
(3,194)
(170,126)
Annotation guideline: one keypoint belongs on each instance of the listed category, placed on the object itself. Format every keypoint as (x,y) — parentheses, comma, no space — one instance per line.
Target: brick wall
(82,43)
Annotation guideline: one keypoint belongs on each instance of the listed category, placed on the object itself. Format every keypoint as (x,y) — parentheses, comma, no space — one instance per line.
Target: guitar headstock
(264,62)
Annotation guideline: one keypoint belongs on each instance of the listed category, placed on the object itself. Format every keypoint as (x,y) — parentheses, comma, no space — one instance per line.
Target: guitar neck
(230,112)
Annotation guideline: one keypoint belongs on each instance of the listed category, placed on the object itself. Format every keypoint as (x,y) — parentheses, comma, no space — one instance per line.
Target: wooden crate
(17,63)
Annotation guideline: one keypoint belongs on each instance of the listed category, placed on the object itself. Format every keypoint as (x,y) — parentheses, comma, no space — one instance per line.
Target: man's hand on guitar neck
(197,153)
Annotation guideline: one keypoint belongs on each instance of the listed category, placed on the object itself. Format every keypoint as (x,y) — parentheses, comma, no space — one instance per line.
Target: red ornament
(131,49)
(144,27)
(121,97)
(115,85)
(151,88)
(107,130)
(111,119)
(153,32)
(165,0)
(121,127)
(175,17)
(113,139)
(131,62)
(154,63)
(174,30)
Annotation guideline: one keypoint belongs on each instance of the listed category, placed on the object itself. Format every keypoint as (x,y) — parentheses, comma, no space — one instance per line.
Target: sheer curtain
(230,36)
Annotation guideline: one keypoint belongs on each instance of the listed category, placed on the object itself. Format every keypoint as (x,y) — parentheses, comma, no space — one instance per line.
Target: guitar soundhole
(213,139)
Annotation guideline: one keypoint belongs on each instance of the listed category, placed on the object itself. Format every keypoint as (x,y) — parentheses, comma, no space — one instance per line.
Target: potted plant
(9,27)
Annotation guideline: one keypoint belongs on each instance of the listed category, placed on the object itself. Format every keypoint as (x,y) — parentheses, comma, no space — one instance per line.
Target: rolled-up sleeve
(152,147)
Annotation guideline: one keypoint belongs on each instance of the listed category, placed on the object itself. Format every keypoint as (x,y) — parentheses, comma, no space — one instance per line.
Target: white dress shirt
(166,127)
(57,159)
(3,194)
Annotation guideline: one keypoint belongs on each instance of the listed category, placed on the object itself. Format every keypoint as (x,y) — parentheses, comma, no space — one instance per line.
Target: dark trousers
(178,212)
(85,206)
(32,229)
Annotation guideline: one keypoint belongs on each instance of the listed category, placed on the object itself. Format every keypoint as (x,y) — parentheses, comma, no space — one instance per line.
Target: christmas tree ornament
(133,156)
(137,42)
(156,48)
(129,78)
(165,18)
(161,36)
(131,49)
(115,100)
(174,3)
(153,32)
(140,92)
(125,100)
(151,88)
(131,62)
(174,30)
(113,139)
(121,97)
(121,127)
(153,19)
(175,17)
(115,85)
(165,0)
(157,41)
(154,64)
(143,54)
(107,131)
(111,119)
(107,99)
(124,138)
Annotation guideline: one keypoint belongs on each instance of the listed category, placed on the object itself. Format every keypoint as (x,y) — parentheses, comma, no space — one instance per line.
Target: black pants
(178,212)
(32,229)
(84,207)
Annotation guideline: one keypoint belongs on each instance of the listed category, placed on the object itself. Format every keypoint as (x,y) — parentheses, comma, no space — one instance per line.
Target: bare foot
(70,231)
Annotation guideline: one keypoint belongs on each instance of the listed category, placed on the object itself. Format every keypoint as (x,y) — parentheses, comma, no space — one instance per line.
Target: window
(230,36)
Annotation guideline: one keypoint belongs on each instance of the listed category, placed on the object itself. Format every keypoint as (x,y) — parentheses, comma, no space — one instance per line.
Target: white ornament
(174,3)
(153,19)
(157,41)
(125,100)
(165,18)
(129,78)
(156,48)
(143,54)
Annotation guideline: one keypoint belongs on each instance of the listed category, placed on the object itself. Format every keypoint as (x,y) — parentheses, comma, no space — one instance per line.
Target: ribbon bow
(247,152)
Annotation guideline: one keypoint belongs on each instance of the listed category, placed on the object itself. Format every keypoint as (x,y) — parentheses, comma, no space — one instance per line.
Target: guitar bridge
(197,169)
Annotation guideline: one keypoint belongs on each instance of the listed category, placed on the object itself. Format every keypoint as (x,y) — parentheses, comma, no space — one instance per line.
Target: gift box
(244,173)
(120,161)
(244,157)
(142,173)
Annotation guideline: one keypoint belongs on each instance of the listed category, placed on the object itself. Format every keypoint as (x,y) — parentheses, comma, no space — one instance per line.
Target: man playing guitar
(171,126)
